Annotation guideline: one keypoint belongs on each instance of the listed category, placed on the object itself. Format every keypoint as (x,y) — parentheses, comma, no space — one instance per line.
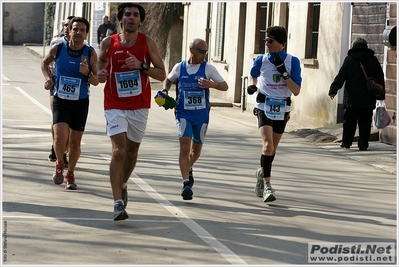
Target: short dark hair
(79,19)
(123,6)
(278,33)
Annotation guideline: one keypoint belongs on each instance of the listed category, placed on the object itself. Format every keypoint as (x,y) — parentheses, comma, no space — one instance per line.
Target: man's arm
(158,71)
(45,67)
(204,83)
(93,63)
(103,60)
(167,84)
(215,80)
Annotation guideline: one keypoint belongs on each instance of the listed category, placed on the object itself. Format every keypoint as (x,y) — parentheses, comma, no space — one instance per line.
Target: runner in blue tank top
(76,69)
(195,77)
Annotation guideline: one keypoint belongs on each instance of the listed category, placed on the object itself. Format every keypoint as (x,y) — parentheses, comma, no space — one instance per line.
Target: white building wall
(313,107)
(195,27)
(249,56)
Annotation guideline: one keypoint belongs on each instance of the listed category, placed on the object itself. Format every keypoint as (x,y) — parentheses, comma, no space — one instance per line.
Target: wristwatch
(286,76)
(144,66)
(90,75)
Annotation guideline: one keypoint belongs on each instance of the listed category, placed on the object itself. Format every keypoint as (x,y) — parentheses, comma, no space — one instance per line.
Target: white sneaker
(268,195)
(260,185)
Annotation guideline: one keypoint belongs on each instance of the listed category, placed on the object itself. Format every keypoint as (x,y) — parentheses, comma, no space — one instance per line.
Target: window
(263,21)
(312,31)
(220,28)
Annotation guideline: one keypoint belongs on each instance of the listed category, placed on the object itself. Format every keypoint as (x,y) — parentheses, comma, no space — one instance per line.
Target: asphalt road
(322,196)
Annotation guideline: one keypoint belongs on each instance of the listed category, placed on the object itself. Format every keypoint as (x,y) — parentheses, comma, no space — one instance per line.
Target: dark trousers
(353,117)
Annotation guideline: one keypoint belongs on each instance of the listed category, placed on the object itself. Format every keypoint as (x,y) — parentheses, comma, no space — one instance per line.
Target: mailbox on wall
(389,37)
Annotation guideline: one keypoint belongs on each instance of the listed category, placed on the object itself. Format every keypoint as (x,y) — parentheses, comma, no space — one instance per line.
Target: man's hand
(279,63)
(102,75)
(48,84)
(84,66)
(132,62)
(252,89)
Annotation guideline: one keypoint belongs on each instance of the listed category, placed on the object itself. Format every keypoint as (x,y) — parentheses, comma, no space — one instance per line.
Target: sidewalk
(379,155)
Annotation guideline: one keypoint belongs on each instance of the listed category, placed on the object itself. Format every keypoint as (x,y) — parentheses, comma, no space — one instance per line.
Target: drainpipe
(345,45)
(44,30)
(244,95)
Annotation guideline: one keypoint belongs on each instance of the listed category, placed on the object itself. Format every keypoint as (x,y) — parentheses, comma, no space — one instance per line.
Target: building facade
(319,34)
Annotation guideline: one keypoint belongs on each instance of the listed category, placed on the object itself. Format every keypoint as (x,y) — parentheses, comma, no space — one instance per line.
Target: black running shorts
(72,112)
(278,126)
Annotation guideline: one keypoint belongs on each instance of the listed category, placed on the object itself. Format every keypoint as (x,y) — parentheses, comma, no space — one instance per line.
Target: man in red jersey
(126,62)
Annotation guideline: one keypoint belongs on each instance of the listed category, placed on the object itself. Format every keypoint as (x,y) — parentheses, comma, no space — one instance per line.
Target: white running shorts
(133,122)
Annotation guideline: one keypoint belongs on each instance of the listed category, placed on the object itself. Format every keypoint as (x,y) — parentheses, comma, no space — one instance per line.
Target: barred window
(220,32)
(264,18)
(312,31)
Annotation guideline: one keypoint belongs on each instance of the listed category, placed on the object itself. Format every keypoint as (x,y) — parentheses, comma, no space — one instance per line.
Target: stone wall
(23,23)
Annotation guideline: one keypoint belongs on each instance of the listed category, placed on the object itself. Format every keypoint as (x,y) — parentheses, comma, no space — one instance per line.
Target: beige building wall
(313,107)
(195,27)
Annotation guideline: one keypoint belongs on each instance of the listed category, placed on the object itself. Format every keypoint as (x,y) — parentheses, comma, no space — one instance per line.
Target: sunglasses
(201,51)
(269,41)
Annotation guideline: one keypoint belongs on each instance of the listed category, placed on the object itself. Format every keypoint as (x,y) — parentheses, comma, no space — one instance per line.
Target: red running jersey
(127,89)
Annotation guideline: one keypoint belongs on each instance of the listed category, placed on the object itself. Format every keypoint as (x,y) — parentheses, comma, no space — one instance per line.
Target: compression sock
(266,163)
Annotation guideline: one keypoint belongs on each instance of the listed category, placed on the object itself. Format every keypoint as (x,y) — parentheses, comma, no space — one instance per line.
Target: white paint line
(4,77)
(47,110)
(195,227)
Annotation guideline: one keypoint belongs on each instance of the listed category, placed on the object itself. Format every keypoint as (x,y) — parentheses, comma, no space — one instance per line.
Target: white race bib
(128,83)
(69,88)
(275,108)
(194,100)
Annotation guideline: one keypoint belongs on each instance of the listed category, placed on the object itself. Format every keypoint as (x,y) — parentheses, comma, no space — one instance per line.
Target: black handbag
(373,86)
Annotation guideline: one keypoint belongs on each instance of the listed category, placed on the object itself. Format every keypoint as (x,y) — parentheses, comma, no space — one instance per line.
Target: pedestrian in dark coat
(358,102)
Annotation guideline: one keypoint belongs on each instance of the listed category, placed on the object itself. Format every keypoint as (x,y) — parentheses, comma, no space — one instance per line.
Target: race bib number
(194,100)
(128,83)
(69,88)
(275,108)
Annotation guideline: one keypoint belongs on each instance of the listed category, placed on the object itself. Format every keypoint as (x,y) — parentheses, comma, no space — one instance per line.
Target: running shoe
(70,181)
(191,177)
(187,192)
(260,185)
(268,195)
(119,211)
(52,157)
(65,160)
(58,175)
(124,195)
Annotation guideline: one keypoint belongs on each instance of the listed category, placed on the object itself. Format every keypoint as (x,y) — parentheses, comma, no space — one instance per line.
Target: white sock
(116,202)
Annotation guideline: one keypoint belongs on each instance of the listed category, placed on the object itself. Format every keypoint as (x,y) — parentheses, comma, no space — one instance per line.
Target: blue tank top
(192,101)
(70,83)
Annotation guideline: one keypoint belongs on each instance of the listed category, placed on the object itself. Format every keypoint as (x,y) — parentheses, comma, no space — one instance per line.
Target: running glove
(279,63)
(252,89)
